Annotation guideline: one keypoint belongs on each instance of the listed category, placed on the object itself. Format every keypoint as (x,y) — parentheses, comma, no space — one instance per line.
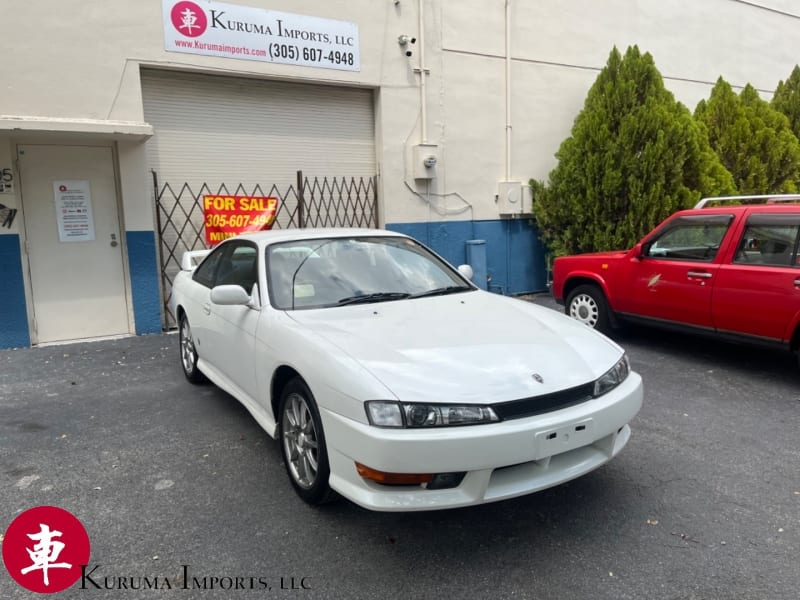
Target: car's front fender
(577,278)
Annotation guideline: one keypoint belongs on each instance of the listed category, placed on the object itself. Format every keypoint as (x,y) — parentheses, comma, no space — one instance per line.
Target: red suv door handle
(701,274)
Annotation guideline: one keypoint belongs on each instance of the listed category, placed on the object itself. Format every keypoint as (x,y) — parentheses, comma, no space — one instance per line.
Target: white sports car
(391,379)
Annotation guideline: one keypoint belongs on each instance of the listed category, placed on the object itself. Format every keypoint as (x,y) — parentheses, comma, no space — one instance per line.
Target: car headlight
(387,413)
(613,377)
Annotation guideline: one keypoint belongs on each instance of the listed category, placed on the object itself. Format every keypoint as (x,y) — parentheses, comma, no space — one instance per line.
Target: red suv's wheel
(587,304)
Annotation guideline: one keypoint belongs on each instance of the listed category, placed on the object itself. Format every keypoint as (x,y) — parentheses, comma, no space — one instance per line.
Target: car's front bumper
(501,460)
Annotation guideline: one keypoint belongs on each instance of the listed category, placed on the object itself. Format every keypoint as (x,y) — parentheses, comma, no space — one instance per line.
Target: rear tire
(303,444)
(587,304)
(188,352)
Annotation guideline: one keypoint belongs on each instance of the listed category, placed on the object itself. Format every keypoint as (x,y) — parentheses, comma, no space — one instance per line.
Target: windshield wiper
(376,297)
(442,291)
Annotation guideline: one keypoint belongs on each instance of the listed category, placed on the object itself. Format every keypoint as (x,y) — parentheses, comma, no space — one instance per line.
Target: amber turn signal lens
(393,478)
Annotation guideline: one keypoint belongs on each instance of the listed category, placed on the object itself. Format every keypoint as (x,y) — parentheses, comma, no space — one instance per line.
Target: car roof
(274,236)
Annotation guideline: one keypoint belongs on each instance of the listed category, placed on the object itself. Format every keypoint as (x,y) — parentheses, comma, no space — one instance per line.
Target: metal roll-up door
(249,137)
(211,129)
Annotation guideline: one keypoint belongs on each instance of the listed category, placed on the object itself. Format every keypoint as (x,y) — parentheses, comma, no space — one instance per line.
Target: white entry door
(74,244)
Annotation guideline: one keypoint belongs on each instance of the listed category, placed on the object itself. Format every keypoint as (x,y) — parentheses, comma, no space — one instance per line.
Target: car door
(232,328)
(673,277)
(196,303)
(758,292)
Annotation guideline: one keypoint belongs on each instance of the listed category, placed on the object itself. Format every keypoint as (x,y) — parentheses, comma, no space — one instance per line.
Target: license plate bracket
(564,438)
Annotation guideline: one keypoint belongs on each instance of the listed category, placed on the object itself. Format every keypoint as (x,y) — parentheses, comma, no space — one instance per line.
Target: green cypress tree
(753,140)
(634,157)
(787,99)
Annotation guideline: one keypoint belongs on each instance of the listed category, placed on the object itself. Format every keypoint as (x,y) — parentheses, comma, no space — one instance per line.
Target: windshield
(341,271)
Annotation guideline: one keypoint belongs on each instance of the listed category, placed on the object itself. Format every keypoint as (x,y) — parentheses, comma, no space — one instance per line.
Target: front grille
(537,405)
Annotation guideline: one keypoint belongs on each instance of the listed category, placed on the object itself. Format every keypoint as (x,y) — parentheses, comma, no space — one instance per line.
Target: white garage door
(216,129)
(249,137)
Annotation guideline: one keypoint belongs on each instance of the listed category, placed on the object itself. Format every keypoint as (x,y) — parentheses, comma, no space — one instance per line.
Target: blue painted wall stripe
(14,316)
(515,262)
(515,255)
(143,266)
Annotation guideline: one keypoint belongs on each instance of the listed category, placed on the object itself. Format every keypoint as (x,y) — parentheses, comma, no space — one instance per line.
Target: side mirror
(466,271)
(230,295)
(640,250)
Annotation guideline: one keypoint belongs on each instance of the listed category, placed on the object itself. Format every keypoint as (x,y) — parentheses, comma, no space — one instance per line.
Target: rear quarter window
(206,272)
(769,240)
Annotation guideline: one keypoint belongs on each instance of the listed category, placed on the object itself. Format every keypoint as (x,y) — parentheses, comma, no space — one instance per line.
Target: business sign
(74,210)
(232,31)
(228,216)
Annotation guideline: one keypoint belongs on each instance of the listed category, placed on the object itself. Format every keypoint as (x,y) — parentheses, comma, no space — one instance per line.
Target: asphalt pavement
(176,483)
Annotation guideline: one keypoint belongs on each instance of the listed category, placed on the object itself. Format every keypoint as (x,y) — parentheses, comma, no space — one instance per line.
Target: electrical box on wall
(425,159)
(514,198)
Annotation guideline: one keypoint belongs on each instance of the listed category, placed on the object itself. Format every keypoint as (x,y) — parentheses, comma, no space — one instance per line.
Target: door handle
(207,309)
(797,282)
(700,274)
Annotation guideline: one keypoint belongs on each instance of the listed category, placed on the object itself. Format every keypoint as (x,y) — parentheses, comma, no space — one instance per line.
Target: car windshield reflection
(334,272)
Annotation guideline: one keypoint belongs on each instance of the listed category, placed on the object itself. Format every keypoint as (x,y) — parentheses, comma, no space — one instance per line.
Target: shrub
(787,99)
(753,140)
(635,155)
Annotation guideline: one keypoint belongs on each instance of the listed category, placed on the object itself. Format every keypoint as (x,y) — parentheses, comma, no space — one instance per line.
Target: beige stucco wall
(557,50)
(80,59)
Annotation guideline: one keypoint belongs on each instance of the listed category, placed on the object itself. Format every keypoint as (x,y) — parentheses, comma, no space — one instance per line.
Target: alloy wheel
(188,355)
(300,441)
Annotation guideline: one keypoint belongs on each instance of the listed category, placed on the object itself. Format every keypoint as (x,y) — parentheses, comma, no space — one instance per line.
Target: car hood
(473,347)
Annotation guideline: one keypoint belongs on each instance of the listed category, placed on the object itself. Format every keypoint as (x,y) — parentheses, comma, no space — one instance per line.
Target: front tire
(303,444)
(188,352)
(587,304)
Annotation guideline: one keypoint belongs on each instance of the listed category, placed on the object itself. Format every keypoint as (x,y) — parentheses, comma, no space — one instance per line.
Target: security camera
(429,162)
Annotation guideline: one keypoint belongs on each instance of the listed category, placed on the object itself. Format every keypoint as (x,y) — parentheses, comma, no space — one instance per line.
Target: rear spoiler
(191,259)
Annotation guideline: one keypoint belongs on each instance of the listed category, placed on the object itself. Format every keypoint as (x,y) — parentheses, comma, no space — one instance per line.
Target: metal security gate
(312,202)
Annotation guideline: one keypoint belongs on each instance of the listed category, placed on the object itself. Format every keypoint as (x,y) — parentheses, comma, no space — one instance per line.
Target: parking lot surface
(176,483)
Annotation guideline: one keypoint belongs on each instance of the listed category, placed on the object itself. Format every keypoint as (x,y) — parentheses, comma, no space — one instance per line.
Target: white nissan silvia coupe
(391,379)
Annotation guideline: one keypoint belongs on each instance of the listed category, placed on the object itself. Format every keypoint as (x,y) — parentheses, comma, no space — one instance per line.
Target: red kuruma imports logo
(189,19)
(44,549)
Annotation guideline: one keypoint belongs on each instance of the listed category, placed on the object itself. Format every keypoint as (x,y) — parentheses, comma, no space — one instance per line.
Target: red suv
(730,267)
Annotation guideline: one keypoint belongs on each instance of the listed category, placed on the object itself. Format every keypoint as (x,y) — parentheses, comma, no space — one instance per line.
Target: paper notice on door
(74,210)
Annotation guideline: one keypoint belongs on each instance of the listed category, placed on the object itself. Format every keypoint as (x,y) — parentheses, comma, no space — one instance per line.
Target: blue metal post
(476,258)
